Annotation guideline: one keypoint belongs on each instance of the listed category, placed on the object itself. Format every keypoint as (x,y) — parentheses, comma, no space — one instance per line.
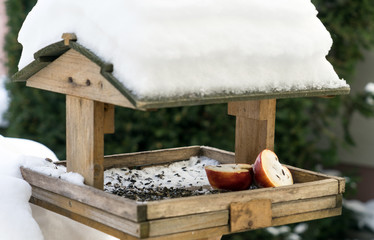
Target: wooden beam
(255,126)
(109,126)
(85,139)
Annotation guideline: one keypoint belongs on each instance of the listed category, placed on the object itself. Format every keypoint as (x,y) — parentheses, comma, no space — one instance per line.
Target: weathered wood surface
(307,216)
(255,126)
(74,74)
(109,126)
(85,139)
(187,223)
(250,215)
(111,203)
(92,213)
(86,221)
(154,157)
(192,217)
(217,202)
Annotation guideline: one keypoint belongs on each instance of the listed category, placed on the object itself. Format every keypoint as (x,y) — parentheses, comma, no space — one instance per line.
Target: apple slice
(230,176)
(268,172)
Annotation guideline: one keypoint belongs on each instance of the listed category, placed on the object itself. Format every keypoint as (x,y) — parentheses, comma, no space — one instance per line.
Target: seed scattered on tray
(179,179)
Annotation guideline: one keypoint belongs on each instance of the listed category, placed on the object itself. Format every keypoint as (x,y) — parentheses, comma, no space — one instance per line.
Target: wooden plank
(92,213)
(217,202)
(303,217)
(302,206)
(109,118)
(153,157)
(188,223)
(86,221)
(116,205)
(85,139)
(255,125)
(189,100)
(250,215)
(203,234)
(74,74)
(221,156)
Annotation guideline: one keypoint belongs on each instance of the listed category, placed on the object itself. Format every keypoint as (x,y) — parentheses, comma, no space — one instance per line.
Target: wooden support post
(255,125)
(85,139)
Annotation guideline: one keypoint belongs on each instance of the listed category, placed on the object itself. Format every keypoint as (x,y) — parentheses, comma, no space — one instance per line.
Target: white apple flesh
(269,172)
(232,177)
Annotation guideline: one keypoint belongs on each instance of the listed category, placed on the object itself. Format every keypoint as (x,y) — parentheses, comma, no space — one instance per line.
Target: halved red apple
(268,172)
(230,176)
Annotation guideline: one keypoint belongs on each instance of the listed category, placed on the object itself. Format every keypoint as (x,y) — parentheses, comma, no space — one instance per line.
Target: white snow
(364,211)
(164,48)
(4,101)
(182,174)
(369,88)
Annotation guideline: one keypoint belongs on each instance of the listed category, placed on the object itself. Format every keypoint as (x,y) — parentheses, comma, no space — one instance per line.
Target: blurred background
(334,135)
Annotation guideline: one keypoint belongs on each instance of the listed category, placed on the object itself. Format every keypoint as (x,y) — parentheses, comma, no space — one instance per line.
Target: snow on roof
(167,48)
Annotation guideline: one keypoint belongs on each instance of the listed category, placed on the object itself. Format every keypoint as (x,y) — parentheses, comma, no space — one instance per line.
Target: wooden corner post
(85,139)
(255,125)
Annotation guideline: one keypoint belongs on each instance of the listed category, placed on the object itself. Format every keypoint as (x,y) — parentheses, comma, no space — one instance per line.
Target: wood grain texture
(188,223)
(92,213)
(109,126)
(85,139)
(250,215)
(99,199)
(303,217)
(86,221)
(74,74)
(302,206)
(255,126)
(153,157)
(217,202)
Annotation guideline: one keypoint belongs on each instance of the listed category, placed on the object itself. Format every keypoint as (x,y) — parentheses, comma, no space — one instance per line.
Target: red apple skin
(234,181)
(260,176)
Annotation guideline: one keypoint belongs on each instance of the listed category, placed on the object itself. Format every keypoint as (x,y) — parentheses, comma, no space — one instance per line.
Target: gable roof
(50,53)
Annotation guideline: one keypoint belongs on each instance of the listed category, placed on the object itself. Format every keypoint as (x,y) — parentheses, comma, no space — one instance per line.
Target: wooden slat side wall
(202,234)
(217,202)
(84,210)
(303,217)
(221,156)
(154,157)
(88,195)
(302,206)
(86,221)
(74,74)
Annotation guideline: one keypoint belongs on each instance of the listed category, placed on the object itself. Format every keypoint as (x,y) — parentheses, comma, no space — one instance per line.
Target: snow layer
(16,221)
(164,48)
(369,88)
(4,101)
(364,211)
(183,174)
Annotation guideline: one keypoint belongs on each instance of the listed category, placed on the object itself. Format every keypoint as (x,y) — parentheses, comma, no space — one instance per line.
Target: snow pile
(163,48)
(4,101)
(369,88)
(365,212)
(16,221)
(285,232)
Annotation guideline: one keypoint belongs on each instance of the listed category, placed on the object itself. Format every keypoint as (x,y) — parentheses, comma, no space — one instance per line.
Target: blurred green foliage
(305,128)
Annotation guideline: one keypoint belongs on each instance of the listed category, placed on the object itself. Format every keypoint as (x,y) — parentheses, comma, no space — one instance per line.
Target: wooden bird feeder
(92,91)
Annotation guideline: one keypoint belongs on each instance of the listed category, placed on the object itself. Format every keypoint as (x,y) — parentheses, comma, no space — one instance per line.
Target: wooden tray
(313,196)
